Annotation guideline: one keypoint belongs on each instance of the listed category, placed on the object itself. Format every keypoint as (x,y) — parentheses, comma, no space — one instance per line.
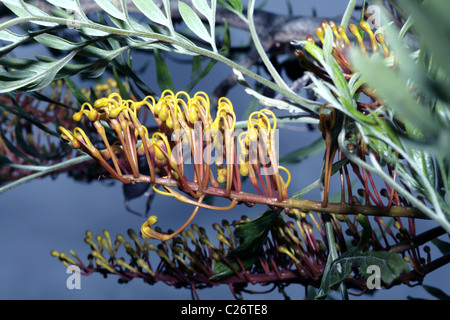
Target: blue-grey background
(48,213)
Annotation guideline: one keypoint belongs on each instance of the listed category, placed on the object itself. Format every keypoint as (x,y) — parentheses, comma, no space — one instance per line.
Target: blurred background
(54,212)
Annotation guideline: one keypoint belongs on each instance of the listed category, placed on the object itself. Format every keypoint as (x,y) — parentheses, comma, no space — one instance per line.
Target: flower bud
(93,115)
(193,116)
(54,253)
(78,116)
(99,103)
(243,170)
(152,220)
(75,143)
(115,112)
(164,114)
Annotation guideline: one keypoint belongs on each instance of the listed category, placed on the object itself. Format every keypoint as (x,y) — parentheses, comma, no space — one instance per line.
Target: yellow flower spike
(225,107)
(157,109)
(274,126)
(100,103)
(333,27)
(148,232)
(221,178)
(164,113)
(151,105)
(366,27)
(111,99)
(310,39)
(355,31)
(93,115)
(185,104)
(288,173)
(158,150)
(167,93)
(113,113)
(253,134)
(380,39)
(341,31)
(193,115)
(161,144)
(320,33)
(78,116)
(169,122)
(78,131)
(205,101)
(65,134)
(243,170)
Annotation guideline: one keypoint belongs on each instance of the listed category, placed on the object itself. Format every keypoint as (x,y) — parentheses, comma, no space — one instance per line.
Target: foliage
(378,98)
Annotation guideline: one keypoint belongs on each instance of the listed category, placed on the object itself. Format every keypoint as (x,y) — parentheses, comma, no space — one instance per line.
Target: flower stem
(291,203)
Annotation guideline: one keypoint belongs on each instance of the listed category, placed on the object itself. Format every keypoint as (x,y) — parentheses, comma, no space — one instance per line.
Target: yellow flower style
(184,123)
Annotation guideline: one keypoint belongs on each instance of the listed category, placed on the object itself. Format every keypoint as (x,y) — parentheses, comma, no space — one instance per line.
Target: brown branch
(291,203)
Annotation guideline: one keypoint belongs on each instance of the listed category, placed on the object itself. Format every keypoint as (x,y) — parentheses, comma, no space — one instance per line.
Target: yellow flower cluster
(183,122)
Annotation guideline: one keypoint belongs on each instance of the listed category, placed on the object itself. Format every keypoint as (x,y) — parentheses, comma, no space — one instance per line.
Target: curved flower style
(184,123)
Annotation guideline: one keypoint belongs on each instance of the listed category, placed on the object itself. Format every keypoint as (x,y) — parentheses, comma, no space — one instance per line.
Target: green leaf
(436,292)
(16,151)
(23,145)
(237,4)
(110,8)
(164,78)
(391,267)
(394,91)
(151,11)
(32,75)
(81,98)
(196,76)
(431,22)
(203,7)
(423,158)
(122,90)
(23,9)
(193,22)
(391,264)
(196,67)
(54,42)
(252,236)
(444,247)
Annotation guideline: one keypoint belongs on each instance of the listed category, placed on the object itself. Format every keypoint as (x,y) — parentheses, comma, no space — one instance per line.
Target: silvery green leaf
(22,9)
(193,21)
(110,8)
(203,7)
(32,75)
(276,103)
(151,11)
(394,92)
(55,42)
(15,39)
(66,4)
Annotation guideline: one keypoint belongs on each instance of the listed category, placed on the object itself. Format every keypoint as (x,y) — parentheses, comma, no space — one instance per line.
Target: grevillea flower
(341,46)
(184,123)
